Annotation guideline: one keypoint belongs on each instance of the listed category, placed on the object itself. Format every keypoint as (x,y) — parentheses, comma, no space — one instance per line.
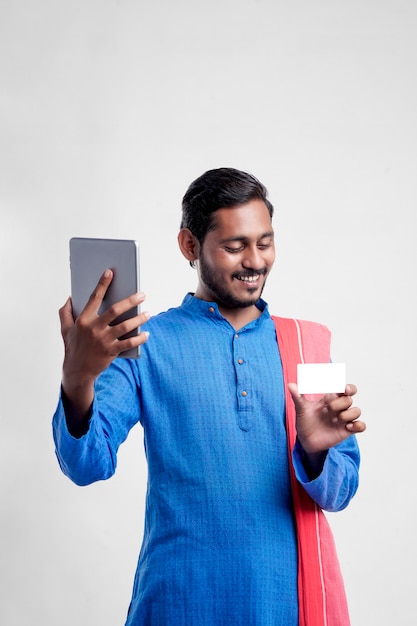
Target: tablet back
(89,258)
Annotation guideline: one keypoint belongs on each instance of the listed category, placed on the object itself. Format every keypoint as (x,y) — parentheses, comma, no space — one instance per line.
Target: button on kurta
(243,379)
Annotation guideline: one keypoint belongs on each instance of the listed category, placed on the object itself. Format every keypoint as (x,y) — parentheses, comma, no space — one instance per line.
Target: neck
(238,318)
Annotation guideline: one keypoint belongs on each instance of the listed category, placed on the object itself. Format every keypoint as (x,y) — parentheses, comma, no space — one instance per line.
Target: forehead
(247,220)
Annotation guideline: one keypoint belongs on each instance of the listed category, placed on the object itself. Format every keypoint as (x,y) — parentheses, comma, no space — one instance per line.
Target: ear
(189,244)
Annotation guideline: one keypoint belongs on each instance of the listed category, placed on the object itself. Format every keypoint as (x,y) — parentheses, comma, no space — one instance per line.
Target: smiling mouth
(249,279)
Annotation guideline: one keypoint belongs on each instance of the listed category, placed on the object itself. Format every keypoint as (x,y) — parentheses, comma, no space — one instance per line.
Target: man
(225,540)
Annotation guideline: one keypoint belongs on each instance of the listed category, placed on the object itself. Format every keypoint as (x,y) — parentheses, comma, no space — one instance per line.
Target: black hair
(220,188)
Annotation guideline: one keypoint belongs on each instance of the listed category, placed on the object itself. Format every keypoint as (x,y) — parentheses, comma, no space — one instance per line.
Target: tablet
(89,258)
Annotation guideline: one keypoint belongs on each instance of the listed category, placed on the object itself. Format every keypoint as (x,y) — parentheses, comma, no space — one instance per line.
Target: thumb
(66,317)
(293,389)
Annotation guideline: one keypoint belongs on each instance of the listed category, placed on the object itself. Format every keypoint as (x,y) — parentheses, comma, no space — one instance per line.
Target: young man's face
(236,256)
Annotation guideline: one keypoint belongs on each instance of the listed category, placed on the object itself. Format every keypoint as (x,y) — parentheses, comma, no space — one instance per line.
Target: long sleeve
(338,481)
(115,411)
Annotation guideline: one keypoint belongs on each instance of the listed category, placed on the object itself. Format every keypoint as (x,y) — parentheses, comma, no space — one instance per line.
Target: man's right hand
(92,343)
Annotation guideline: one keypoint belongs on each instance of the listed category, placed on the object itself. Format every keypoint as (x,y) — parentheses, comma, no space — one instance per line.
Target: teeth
(249,279)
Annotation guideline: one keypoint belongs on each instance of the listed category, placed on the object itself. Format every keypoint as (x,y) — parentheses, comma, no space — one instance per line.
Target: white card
(321,378)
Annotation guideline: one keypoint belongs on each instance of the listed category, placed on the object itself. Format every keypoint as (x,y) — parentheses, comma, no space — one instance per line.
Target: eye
(233,250)
(264,246)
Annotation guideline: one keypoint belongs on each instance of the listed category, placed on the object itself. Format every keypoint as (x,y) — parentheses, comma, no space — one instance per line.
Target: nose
(253,258)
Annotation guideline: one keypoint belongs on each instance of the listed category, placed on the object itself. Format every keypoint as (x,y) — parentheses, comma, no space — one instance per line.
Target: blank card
(321,378)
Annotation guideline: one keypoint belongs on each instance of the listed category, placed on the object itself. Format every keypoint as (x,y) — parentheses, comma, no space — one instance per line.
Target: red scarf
(321,593)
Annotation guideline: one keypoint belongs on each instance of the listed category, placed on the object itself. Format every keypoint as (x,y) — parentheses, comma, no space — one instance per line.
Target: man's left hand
(323,423)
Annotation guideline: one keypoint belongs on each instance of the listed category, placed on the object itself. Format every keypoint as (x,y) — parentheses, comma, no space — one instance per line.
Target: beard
(221,293)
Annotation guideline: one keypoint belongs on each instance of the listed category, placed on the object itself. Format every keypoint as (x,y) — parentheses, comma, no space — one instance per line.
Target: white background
(109,109)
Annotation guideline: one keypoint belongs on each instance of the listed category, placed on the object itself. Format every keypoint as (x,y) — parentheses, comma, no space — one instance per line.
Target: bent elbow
(82,474)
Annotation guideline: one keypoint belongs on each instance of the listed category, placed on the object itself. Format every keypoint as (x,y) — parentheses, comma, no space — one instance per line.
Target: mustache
(250,272)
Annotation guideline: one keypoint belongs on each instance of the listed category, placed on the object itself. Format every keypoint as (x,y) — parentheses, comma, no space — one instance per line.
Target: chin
(239,303)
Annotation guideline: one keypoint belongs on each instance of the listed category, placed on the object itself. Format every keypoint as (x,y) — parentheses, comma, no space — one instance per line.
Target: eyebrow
(245,238)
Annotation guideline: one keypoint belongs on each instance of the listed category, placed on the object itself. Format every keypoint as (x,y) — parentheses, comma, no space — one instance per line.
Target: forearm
(77,397)
(87,448)
(85,457)
(337,482)
(77,411)
(313,463)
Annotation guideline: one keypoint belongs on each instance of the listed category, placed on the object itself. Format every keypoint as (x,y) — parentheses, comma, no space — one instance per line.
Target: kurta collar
(211,310)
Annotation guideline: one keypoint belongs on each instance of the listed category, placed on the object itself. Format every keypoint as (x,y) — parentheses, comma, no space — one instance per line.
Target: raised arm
(91,344)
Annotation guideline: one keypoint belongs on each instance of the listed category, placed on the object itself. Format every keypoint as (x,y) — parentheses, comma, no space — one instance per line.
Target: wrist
(78,390)
(313,462)
(77,416)
(77,399)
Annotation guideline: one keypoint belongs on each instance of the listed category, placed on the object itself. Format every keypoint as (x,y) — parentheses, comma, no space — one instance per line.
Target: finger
(356,427)
(96,298)
(66,317)
(298,399)
(350,414)
(132,342)
(330,398)
(127,326)
(119,308)
(338,404)
(347,415)
(293,389)
(350,390)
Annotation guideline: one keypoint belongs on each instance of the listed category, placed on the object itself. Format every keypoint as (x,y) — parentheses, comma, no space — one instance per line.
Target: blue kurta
(219,546)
